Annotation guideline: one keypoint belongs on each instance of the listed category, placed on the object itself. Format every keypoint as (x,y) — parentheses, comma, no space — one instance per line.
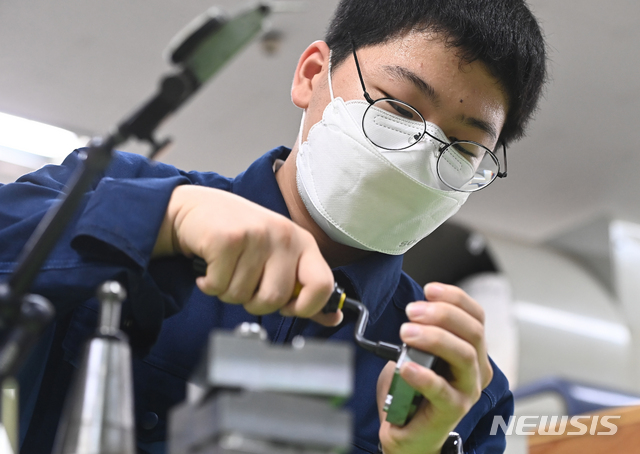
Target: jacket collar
(374,280)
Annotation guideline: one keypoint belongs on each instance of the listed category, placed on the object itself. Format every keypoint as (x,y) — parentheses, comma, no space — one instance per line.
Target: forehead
(419,49)
(460,89)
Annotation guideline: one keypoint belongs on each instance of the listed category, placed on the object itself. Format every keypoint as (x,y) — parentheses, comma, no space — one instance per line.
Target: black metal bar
(44,238)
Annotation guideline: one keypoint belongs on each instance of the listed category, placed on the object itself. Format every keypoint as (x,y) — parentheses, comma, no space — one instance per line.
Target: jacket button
(149,420)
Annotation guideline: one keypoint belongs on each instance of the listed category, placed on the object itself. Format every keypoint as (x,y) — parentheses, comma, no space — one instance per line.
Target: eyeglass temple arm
(504,154)
(355,57)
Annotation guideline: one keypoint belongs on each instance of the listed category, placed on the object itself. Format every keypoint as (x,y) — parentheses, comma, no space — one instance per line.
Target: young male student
(408,107)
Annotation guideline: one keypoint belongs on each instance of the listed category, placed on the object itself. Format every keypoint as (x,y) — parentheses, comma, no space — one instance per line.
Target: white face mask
(367,197)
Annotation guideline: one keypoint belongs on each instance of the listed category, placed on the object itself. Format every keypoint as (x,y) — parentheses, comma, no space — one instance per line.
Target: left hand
(450,326)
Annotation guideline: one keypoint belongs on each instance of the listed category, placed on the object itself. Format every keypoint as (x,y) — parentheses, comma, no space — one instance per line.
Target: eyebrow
(429,91)
(410,76)
(482,125)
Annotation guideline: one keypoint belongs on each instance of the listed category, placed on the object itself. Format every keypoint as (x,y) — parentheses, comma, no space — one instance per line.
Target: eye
(402,110)
(469,150)
(460,148)
(390,104)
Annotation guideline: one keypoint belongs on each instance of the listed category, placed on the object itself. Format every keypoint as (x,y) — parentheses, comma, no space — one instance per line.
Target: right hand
(254,256)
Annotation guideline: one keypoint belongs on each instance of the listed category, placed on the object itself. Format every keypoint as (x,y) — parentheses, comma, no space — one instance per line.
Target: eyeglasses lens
(467,166)
(392,125)
(462,165)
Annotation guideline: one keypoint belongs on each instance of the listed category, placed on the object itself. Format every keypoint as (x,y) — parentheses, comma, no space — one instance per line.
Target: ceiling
(86,65)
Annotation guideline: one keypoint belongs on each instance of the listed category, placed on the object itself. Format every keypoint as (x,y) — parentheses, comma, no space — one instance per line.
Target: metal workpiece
(249,396)
(260,423)
(98,414)
(306,366)
(111,294)
(402,400)
(249,330)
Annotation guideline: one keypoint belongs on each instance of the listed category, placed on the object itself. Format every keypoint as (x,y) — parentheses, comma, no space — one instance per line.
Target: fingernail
(409,331)
(414,310)
(433,291)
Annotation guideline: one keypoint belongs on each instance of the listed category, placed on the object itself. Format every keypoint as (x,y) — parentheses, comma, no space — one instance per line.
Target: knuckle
(225,298)
(308,241)
(289,229)
(461,298)
(468,356)
(326,286)
(439,315)
(476,334)
(213,286)
(206,238)
(304,234)
(211,291)
(429,340)
(254,309)
(475,394)
(394,443)
(273,298)
(440,390)
(268,308)
(305,312)
(434,337)
(258,233)
(234,238)
(235,296)
(285,231)
(459,406)
(488,376)
(481,314)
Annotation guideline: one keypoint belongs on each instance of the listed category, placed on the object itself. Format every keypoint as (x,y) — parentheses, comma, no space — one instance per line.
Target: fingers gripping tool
(402,400)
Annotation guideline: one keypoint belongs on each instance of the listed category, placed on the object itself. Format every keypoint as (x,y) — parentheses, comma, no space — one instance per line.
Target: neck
(334,253)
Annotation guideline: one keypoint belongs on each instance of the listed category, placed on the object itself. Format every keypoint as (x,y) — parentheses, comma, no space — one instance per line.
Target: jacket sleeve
(111,236)
(478,428)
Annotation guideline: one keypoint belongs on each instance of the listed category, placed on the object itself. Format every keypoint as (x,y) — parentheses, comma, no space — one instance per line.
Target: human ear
(313,62)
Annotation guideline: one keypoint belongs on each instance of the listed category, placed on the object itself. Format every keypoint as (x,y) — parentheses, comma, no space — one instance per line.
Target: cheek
(312,116)
(313,113)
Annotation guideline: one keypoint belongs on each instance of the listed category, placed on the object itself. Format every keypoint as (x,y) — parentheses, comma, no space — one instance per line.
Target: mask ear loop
(300,131)
(329,76)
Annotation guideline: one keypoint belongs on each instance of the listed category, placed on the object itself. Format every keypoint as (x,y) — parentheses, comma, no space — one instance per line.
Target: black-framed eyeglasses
(462,165)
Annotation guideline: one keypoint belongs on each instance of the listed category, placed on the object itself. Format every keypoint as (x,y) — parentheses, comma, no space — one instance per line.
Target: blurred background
(562,232)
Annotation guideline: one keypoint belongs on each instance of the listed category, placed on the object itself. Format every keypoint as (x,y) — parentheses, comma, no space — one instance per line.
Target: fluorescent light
(20,137)
(582,325)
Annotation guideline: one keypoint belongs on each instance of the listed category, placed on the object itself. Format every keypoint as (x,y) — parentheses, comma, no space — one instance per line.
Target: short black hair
(503,34)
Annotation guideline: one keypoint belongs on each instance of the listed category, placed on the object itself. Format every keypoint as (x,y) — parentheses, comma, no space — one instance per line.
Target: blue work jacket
(166,317)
